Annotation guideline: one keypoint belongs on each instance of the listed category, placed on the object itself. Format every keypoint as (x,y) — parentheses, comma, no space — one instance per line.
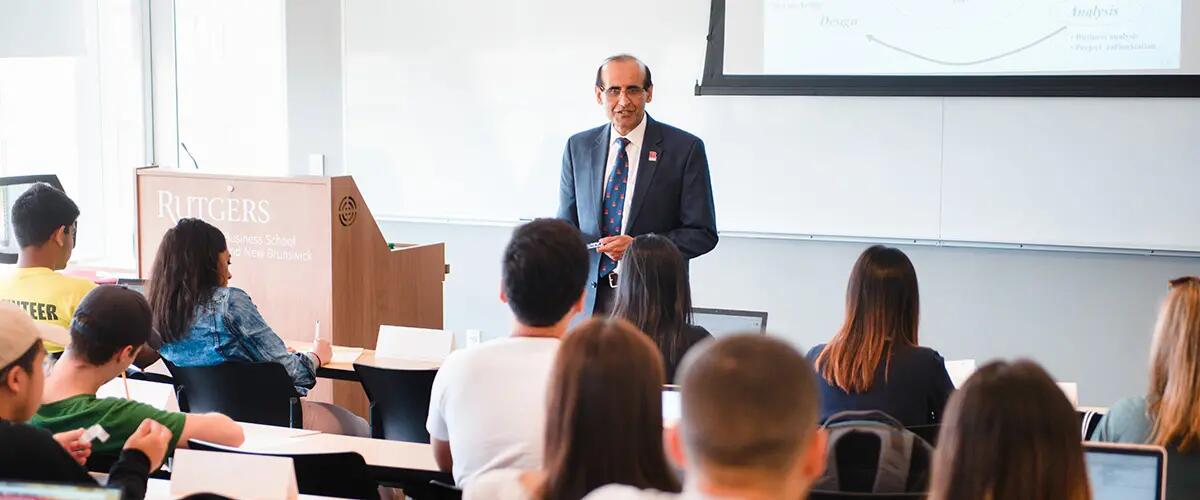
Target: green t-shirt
(119,418)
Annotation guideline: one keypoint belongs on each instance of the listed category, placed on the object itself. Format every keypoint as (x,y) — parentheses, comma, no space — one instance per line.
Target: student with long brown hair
(603,420)
(874,362)
(1009,434)
(1169,414)
(655,295)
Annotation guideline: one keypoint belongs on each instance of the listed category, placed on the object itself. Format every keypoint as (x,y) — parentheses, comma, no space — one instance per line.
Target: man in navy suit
(633,176)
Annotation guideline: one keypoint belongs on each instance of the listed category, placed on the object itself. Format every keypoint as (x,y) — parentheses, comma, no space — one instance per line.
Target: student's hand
(614,246)
(71,441)
(153,439)
(324,350)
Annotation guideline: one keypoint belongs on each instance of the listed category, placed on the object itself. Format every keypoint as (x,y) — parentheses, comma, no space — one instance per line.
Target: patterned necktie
(614,202)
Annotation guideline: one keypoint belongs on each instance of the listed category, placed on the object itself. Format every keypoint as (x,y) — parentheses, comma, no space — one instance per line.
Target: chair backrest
(442,491)
(399,402)
(927,432)
(341,475)
(1088,421)
(260,393)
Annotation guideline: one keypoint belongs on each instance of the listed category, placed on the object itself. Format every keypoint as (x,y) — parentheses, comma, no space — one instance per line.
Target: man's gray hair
(646,81)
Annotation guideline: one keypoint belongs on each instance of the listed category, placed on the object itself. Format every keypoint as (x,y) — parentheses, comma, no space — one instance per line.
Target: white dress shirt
(636,137)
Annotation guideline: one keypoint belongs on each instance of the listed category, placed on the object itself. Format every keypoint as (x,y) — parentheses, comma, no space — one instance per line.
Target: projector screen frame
(715,82)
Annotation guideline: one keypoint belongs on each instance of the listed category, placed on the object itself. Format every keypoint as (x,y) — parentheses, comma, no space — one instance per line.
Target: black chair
(927,432)
(341,475)
(1088,421)
(442,491)
(260,393)
(136,374)
(399,402)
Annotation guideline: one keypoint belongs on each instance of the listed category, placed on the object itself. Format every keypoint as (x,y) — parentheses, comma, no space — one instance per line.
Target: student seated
(874,362)
(204,322)
(655,295)
(1167,415)
(1009,434)
(749,427)
(110,325)
(603,424)
(485,408)
(34,455)
(46,224)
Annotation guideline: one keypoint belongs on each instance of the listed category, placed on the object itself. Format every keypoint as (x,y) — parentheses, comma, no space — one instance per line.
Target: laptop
(137,285)
(38,491)
(722,322)
(672,405)
(1126,472)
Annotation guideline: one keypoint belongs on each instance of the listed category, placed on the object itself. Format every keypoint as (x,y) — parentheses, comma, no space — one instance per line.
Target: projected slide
(950,37)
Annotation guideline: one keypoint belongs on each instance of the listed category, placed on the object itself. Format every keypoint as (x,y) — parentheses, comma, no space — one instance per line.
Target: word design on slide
(940,37)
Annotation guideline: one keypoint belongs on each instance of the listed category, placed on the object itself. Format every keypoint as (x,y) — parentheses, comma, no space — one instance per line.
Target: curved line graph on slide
(966,63)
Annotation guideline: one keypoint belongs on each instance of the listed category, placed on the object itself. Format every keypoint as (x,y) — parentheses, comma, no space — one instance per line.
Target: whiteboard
(461,110)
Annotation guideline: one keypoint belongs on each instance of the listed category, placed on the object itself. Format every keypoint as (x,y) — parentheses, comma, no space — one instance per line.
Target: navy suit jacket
(672,196)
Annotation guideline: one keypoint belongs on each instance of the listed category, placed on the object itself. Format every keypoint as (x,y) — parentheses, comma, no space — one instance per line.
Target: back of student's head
(750,408)
(654,293)
(109,319)
(1174,396)
(882,311)
(185,274)
(604,415)
(1009,434)
(40,212)
(545,268)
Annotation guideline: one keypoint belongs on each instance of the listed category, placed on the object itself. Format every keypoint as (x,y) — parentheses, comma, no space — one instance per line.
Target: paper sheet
(960,370)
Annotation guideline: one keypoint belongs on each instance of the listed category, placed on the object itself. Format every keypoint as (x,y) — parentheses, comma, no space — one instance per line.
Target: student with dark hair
(749,428)
(874,362)
(655,295)
(111,324)
(1009,434)
(46,223)
(607,379)
(204,322)
(1169,414)
(31,454)
(483,412)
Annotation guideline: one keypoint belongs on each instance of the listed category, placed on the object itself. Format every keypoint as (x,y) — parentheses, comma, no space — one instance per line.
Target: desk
(160,489)
(392,462)
(342,368)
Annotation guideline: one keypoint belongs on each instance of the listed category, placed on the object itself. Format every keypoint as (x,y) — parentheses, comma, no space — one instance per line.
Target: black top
(692,335)
(32,455)
(914,390)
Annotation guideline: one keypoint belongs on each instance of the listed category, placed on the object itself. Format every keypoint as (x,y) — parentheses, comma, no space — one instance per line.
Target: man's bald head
(750,403)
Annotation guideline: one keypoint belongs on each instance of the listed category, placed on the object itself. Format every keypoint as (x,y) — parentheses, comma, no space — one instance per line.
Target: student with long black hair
(203,321)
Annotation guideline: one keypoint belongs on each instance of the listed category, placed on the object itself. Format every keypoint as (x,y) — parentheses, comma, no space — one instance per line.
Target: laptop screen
(38,491)
(672,405)
(1119,473)
(721,322)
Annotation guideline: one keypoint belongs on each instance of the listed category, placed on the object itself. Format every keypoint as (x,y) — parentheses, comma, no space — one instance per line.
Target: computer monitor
(12,188)
(39,491)
(1126,472)
(672,405)
(721,322)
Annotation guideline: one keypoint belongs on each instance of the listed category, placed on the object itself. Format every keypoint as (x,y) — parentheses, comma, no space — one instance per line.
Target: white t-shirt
(623,492)
(504,484)
(489,402)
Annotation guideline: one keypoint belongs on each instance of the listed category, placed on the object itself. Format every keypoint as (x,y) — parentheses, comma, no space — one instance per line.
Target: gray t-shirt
(1128,422)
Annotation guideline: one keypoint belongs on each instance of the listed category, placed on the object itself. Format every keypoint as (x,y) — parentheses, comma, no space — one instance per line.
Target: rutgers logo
(347,211)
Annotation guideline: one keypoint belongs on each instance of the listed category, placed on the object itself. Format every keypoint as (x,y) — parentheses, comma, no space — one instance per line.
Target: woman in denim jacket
(205,322)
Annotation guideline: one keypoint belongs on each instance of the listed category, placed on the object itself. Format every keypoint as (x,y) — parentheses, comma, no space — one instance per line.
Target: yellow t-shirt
(47,296)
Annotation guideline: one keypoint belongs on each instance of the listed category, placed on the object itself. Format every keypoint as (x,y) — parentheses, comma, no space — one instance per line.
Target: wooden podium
(309,253)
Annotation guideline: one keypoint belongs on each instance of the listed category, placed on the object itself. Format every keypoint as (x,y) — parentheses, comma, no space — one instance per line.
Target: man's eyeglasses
(632,92)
